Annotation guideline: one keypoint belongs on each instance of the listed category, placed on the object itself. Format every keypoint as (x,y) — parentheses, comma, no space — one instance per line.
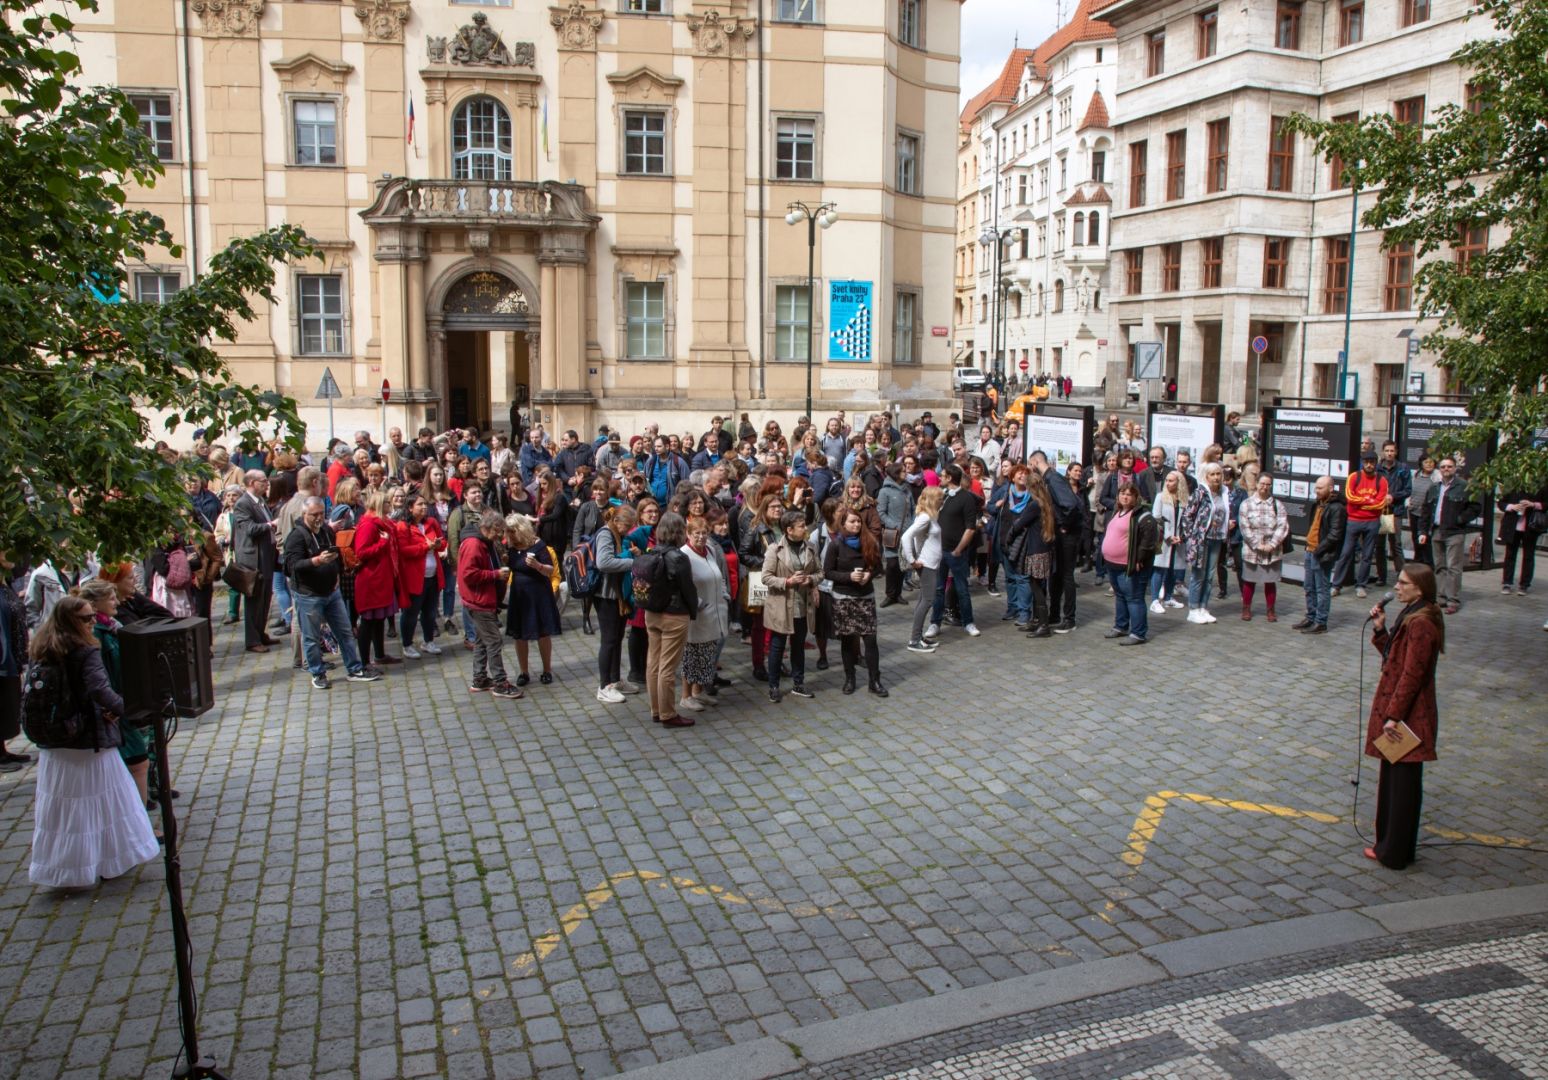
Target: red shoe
(1370,853)
(1246,614)
(1271,616)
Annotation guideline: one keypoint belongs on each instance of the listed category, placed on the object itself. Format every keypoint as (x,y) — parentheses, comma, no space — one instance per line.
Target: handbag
(1388,525)
(890,538)
(240,578)
(1537,521)
(757,591)
(179,572)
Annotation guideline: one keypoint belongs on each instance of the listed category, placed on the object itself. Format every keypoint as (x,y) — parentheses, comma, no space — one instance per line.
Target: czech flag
(409,137)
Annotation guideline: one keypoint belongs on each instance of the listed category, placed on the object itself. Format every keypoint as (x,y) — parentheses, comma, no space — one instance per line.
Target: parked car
(1134,389)
(968,380)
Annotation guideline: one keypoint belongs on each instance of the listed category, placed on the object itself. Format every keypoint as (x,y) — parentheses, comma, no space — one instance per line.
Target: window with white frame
(643,7)
(156,288)
(645,142)
(795,147)
(792,322)
(156,122)
(910,14)
(800,11)
(1066,111)
(316,131)
(320,301)
(905,330)
(645,320)
(481,141)
(908,163)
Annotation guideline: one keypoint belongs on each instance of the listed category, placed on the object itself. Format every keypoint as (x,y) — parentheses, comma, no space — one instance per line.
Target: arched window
(481,141)
(1059,295)
(1080,229)
(1094,236)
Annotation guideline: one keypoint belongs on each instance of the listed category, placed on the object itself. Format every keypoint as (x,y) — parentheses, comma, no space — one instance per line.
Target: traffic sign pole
(386,393)
(329,389)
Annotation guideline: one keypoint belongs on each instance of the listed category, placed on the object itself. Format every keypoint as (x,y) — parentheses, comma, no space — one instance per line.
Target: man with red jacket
(1366,499)
(479,578)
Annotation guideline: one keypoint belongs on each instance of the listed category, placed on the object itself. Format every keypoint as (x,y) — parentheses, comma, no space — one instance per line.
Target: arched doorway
(489,325)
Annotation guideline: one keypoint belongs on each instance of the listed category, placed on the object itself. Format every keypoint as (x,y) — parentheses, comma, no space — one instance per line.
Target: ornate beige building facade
(576,210)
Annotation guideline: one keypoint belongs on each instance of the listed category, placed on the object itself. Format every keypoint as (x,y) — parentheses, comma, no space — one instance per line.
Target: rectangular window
(156,122)
(1171,267)
(904,309)
(1021,189)
(1209,32)
(316,132)
(645,144)
(644,7)
(1281,160)
(1276,261)
(1211,256)
(1134,271)
(1099,166)
(1287,25)
(1064,172)
(1399,292)
(908,164)
(1219,155)
(1409,111)
(1066,111)
(792,322)
(155,288)
(1042,182)
(1473,98)
(645,315)
(1176,164)
(1042,239)
(322,314)
(1155,53)
(1335,274)
(1337,178)
(1139,160)
(1471,243)
(1351,22)
(1058,234)
(795,148)
(802,11)
(909,12)
(1415,11)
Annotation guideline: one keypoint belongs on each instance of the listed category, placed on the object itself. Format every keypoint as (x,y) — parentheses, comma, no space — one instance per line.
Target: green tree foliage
(1484,167)
(79,377)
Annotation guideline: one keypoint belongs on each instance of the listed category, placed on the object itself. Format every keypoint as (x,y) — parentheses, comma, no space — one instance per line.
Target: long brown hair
(68,627)
(1423,579)
(1039,491)
(870,550)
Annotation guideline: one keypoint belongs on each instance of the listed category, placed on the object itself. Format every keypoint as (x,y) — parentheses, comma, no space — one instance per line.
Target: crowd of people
(681,549)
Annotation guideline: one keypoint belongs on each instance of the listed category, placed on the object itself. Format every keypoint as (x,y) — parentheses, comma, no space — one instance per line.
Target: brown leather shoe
(257,648)
(677,721)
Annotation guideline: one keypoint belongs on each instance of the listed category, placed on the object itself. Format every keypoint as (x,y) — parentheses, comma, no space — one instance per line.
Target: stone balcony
(404,207)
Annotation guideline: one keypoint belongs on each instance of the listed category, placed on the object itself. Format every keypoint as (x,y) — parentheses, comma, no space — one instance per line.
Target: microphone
(1386,599)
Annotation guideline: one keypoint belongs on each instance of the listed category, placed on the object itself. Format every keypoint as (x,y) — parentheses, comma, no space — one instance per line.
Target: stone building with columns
(578,211)
(1227,229)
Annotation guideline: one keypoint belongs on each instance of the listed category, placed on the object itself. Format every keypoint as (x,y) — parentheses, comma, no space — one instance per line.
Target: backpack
(660,480)
(580,569)
(51,717)
(344,540)
(652,586)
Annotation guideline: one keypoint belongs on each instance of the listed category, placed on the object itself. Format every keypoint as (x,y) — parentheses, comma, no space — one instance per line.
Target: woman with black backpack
(88,820)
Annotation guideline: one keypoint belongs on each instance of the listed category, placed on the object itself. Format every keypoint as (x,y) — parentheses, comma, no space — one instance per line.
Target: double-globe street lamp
(824,214)
(997,332)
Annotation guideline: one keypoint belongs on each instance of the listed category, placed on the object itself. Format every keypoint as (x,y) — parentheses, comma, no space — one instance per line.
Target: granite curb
(769,1057)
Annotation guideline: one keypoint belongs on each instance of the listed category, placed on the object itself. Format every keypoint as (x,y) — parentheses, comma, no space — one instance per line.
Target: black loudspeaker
(164,658)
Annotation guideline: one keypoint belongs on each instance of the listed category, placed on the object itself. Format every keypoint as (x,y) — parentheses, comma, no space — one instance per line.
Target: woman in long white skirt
(88,820)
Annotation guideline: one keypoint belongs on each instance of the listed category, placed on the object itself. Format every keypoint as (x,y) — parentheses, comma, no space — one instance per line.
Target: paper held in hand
(1396,744)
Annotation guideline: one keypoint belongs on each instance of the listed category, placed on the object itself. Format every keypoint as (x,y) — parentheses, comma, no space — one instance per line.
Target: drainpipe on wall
(188,155)
(763,195)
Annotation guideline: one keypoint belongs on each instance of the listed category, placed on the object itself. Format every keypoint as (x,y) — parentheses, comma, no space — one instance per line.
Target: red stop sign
(1024,365)
(386,391)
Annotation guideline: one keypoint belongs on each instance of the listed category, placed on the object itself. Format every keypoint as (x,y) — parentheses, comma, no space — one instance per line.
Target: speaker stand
(191,1065)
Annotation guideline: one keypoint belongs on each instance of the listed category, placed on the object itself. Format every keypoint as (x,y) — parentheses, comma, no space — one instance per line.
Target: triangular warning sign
(328,388)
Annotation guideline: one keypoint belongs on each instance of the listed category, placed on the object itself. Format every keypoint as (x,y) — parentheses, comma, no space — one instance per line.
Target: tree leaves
(1479,167)
(81,379)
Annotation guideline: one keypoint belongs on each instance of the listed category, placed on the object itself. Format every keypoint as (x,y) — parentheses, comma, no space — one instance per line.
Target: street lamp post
(824,214)
(997,332)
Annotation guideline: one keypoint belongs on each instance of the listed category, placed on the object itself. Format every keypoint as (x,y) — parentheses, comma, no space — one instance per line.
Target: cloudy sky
(990,27)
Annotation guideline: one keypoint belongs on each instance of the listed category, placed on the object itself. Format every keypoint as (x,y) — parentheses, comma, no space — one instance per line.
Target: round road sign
(386,391)
(1024,366)
(1260,344)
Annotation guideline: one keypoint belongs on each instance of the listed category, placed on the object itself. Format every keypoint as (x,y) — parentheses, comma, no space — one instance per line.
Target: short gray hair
(314,500)
(254,474)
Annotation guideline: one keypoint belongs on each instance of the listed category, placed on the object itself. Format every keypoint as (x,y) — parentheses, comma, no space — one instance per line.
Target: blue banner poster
(849,314)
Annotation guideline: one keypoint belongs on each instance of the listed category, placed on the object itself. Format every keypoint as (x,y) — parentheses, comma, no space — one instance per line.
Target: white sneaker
(932,631)
(706,701)
(609,696)
(1194,615)
(432,648)
(1175,603)
(972,631)
(691,704)
(1157,608)
(624,686)
(1207,617)
(410,653)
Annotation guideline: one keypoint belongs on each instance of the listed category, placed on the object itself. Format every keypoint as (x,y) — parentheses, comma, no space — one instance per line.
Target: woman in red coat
(1410,650)
(421,544)
(376,581)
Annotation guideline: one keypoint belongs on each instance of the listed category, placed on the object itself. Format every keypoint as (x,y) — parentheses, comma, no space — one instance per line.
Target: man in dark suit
(253,548)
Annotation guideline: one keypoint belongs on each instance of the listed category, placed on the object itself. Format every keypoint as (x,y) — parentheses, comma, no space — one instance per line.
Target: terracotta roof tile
(1081,27)
(1002,89)
(1096,113)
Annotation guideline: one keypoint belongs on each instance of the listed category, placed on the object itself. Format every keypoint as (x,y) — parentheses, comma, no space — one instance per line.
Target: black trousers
(610,634)
(1062,590)
(639,647)
(1526,544)
(797,644)
(1398,796)
(1389,546)
(256,615)
(894,579)
(10,707)
(850,648)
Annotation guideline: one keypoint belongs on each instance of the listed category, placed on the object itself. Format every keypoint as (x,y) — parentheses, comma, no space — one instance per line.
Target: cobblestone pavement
(1466,1002)
(401,879)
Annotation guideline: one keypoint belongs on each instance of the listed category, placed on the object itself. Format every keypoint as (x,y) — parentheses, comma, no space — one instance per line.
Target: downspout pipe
(763,197)
(188,148)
